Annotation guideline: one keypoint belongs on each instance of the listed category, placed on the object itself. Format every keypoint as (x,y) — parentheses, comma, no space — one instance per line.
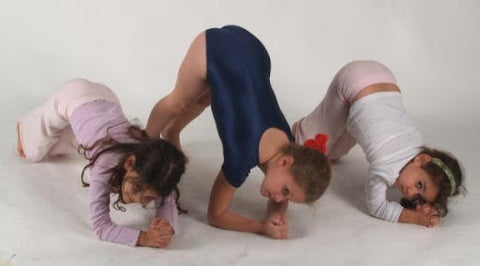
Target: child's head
(303,175)
(147,169)
(432,176)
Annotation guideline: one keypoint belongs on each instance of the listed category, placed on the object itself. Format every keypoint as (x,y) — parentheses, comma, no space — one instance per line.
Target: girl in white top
(363,105)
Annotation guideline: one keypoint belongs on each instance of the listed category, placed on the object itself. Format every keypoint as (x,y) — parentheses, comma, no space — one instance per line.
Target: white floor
(45,220)
(135,47)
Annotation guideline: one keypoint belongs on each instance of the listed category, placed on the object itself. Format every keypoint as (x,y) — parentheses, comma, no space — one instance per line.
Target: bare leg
(191,85)
(172,131)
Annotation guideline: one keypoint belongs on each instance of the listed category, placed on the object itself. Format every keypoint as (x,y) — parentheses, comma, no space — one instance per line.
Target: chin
(262,192)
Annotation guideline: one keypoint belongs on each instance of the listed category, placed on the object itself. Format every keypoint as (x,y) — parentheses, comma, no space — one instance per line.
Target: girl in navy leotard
(229,68)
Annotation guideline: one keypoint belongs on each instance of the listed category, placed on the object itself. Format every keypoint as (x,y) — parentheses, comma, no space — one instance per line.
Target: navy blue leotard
(243,103)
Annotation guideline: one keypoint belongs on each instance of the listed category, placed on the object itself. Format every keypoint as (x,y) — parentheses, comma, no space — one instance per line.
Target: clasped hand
(275,226)
(427,215)
(159,234)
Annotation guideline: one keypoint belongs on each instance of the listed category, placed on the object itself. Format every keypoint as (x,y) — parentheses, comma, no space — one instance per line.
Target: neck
(264,166)
(270,145)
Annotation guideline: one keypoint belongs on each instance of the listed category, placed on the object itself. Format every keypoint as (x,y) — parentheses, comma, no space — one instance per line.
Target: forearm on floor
(232,221)
(408,216)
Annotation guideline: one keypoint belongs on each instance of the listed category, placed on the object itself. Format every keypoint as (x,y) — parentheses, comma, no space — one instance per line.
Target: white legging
(330,116)
(46,129)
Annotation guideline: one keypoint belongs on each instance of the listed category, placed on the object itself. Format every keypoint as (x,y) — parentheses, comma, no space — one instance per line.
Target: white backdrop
(135,47)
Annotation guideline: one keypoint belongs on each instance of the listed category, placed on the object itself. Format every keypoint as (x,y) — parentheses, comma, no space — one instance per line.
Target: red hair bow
(318,143)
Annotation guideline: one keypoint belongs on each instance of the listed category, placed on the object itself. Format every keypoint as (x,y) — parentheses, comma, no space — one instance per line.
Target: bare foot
(19,143)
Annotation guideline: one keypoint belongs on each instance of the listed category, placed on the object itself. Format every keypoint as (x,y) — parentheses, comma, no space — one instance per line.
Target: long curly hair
(441,180)
(158,162)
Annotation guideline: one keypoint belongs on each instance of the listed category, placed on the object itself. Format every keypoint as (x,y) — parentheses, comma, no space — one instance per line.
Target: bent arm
(380,207)
(102,224)
(219,214)
(377,202)
(168,210)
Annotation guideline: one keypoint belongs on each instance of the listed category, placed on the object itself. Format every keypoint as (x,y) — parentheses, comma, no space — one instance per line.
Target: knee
(77,82)
(360,64)
(175,104)
(204,101)
(35,155)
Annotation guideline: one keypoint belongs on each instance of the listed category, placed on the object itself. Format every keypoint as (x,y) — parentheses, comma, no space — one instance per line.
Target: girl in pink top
(122,159)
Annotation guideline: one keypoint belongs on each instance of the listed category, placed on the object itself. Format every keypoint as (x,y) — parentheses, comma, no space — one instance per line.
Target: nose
(278,198)
(413,192)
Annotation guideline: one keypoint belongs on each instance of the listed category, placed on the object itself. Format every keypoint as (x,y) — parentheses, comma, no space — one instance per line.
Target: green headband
(447,172)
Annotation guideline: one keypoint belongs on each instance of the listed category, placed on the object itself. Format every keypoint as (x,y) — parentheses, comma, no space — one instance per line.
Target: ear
(286,161)
(423,158)
(130,163)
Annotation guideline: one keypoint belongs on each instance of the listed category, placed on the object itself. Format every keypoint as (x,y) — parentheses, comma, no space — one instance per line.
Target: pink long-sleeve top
(90,123)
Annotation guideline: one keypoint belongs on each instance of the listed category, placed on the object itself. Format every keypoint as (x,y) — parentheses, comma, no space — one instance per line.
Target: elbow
(175,105)
(214,218)
(101,230)
(374,210)
(99,233)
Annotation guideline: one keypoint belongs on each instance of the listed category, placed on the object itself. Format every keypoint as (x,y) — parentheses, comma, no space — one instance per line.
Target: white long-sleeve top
(380,125)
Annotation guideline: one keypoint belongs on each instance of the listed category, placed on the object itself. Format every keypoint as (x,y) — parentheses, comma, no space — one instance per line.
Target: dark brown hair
(441,180)
(158,162)
(310,169)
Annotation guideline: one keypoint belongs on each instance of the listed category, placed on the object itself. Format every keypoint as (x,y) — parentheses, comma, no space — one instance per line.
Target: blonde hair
(310,169)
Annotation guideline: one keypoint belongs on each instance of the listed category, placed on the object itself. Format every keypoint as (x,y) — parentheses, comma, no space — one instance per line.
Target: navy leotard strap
(243,103)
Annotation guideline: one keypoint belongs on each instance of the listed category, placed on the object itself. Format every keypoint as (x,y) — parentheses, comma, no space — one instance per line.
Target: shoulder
(272,140)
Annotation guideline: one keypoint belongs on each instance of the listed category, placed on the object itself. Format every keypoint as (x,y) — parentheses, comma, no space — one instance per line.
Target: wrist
(142,238)
(410,216)
(262,227)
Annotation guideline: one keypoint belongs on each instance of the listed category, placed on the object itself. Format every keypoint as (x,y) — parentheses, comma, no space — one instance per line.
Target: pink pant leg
(46,128)
(330,116)
(65,143)
(40,129)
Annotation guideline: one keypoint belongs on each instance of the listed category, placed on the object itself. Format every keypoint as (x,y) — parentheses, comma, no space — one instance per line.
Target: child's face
(279,185)
(414,181)
(132,192)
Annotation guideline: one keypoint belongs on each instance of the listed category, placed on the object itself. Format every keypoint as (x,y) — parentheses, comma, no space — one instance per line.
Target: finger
(154,223)
(163,242)
(274,216)
(166,227)
(275,220)
(165,234)
(435,220)
(427,209)
(163,223)
(434,213)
